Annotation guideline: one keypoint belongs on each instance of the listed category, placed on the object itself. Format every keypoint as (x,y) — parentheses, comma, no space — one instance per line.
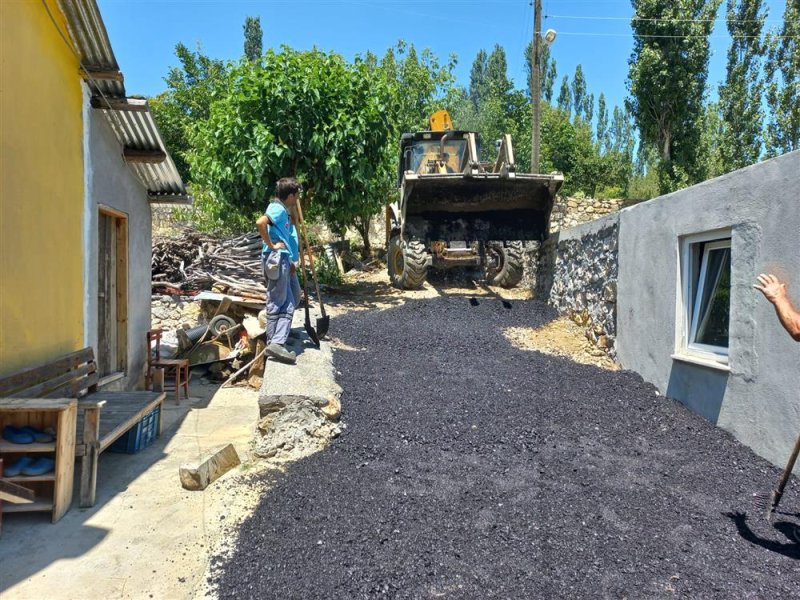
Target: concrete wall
(111,183)
(758,399)
(41,188)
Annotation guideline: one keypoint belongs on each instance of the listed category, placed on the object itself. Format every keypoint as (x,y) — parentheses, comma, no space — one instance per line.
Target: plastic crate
(140,436)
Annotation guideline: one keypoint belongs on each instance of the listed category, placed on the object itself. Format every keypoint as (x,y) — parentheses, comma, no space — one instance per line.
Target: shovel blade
(322,326)
(311,333)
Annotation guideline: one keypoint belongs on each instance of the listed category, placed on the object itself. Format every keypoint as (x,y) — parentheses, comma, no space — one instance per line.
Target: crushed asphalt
(471,469)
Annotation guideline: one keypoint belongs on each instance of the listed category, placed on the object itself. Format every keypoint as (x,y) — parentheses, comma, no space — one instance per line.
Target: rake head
(765,503)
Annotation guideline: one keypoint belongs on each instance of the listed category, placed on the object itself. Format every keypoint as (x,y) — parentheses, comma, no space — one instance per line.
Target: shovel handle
(310,257)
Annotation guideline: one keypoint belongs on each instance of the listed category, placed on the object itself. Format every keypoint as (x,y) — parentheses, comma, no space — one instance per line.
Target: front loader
(456,211)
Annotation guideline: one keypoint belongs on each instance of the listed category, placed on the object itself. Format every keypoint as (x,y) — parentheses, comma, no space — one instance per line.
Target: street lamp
(536,91)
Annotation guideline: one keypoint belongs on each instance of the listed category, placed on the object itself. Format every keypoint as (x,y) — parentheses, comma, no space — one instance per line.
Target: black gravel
(471,469)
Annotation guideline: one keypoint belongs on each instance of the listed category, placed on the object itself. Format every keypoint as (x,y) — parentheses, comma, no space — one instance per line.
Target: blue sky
(593,33)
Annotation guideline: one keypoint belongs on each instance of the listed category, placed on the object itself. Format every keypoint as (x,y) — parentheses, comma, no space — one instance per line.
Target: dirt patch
(561,337)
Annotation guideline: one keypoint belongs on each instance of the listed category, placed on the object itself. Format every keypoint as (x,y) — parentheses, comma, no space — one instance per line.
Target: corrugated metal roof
(134,129)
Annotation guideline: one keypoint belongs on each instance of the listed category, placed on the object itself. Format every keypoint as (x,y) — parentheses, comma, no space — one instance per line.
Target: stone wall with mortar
(570,212)
(577,274)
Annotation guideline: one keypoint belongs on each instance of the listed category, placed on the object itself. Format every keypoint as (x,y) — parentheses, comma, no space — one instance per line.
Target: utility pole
(536,85)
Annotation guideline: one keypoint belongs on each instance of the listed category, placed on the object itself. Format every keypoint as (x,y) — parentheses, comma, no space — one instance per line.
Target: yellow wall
(41,188)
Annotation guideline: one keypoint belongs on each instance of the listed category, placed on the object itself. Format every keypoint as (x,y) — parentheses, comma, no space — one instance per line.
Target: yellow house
(80,165)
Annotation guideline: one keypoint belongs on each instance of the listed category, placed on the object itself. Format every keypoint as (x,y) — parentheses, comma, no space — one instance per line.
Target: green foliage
(305,114)
(783,89)
(477,78)
(714,140)
(547,68)
(191,89)
(253,38)
(565,96)
(668,72)
(578,91)
(602,124)
(741,95)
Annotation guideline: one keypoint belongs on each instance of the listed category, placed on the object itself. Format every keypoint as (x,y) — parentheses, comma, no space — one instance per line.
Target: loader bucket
(488,206)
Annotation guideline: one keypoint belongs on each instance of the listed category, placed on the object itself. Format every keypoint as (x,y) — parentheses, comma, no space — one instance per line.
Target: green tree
(477,78)
(547,71)
(783,90)
(497,72)
(311,115)
(741,95)
(253,38)
(191,88)
(578,91)
(602,124)
(714,139)
(588,108)
(564,96)
(667,79)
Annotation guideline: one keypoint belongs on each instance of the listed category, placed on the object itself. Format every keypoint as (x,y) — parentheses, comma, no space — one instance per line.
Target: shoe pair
(281,354)
(30,466)
(26,435)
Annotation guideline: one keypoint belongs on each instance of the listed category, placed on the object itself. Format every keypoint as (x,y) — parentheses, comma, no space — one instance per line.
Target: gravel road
(469,469)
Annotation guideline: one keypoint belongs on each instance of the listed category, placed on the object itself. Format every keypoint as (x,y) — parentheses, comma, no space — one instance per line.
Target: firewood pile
(195,261)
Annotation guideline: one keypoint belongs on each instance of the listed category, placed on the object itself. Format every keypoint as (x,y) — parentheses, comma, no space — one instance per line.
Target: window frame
(689,259)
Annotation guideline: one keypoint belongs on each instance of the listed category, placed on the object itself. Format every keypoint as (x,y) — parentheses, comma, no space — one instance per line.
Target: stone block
(211,468)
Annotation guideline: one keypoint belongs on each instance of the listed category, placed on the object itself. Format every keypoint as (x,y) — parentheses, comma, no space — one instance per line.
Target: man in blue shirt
(279,257)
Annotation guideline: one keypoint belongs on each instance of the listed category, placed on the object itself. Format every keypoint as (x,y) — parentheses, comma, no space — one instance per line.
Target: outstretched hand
(771,287)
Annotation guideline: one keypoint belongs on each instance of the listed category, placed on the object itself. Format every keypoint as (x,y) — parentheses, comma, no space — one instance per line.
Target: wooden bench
(103,417)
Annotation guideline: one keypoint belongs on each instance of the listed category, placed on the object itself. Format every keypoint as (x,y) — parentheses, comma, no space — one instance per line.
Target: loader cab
(432,152)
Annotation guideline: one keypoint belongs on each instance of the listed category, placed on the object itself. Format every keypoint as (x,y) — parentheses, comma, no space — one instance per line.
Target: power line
(657,19)
(630,34)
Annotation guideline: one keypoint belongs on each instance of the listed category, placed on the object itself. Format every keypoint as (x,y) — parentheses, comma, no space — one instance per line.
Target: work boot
(281,354)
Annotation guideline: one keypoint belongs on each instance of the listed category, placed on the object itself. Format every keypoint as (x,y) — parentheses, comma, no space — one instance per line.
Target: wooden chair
(173,367)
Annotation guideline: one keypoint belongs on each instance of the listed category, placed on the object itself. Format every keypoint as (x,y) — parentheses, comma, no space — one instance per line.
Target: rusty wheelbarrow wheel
(407,262)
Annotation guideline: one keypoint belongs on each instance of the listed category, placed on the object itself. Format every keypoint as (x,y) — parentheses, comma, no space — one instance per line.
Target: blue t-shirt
(282,229)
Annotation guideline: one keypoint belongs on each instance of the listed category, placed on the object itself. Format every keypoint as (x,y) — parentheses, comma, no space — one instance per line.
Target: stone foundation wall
(570,212)
(577,274)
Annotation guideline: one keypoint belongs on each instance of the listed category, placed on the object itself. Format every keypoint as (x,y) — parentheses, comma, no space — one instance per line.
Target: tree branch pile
(195,261)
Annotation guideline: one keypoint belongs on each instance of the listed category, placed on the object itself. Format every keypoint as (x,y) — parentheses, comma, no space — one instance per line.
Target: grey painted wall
(758,400)
(111,183)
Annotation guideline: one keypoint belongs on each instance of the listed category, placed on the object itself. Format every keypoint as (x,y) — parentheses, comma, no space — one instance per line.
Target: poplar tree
(783,90)
(477,78)
(547,71)
(253,38)
(667,81)
(588,108)
(578,91)
(497,81)
(564,96)
(741,94)
(602,124)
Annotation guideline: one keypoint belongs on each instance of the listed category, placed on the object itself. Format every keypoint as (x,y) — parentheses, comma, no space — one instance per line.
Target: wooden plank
(65,461)
(31,478)
(91,427)
(77,387)
(135,155)
(34,404)
(121,104)
(105,74)
(38,505)
(50,386)
(105,294)
(6,447)
(11,492)
(121,271)
(35,375)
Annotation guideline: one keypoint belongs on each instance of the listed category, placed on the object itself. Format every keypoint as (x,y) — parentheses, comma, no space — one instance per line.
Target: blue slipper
(15,435)
(40,437)
(40,466)
(15,468)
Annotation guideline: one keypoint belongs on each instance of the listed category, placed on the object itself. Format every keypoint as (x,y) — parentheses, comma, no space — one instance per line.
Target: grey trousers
(283,294)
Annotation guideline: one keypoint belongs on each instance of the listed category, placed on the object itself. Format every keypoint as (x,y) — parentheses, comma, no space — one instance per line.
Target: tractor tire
(509,258)
(407,262)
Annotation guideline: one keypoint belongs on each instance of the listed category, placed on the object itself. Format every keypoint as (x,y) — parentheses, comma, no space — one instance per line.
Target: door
(112,292)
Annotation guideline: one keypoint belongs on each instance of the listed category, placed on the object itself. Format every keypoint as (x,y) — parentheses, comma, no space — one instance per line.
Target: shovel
(309,329)
(324,321)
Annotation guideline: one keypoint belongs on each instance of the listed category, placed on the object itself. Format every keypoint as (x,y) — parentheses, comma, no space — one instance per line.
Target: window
(705,308)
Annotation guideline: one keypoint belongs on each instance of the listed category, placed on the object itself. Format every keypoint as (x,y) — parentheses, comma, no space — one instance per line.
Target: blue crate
(140,436)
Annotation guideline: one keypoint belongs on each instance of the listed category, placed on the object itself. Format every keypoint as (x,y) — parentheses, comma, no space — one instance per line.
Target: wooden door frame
(121,220)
